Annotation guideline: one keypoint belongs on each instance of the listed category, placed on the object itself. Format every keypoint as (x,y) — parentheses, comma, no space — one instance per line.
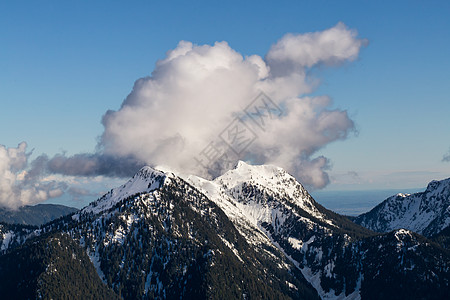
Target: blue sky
(63,64)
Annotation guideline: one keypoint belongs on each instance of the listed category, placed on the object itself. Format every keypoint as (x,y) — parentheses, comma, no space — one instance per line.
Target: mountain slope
(408,266)
(426,213)
(442,238)
(50,267)
(158,237)
(252,233)
(330,251)
(35,215)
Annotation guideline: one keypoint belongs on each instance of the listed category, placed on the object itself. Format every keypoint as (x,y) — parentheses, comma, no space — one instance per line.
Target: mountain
(35,215)
(330,251)
(427,212)
(252,233)
(158,237)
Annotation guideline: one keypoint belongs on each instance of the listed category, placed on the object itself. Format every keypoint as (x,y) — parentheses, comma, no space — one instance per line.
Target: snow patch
(232,248)
(95,259)
(296,244)
(7,238)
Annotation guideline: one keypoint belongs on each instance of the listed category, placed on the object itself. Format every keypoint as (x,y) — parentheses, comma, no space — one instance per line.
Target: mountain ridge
(426,212)
(252,232)
(35,215)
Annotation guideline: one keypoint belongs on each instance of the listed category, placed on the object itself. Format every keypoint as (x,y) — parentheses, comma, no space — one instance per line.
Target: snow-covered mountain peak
(258,194)
(436,186)
(261,174)
(426,212)
(147,179)
(267,176)
(146,172)
(270,179)
(241,164)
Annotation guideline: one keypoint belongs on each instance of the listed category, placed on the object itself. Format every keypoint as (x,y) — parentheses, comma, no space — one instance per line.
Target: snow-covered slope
(145,181)
(426,212)
(255,195)
(160,232)
(270,208)
(273,180)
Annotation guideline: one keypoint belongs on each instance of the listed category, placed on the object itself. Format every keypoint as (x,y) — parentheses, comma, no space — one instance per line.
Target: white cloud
(294,52)
(21,185)
(197,90)
(191,97)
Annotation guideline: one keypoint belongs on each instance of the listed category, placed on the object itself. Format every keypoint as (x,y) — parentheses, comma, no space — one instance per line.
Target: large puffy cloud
(192,95)
(22,183)
(197,96)
(292,140)
(195,93)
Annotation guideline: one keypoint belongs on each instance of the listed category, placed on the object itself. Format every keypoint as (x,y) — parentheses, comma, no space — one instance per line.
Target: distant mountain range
(427,212)
(252,233)
(35,215)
